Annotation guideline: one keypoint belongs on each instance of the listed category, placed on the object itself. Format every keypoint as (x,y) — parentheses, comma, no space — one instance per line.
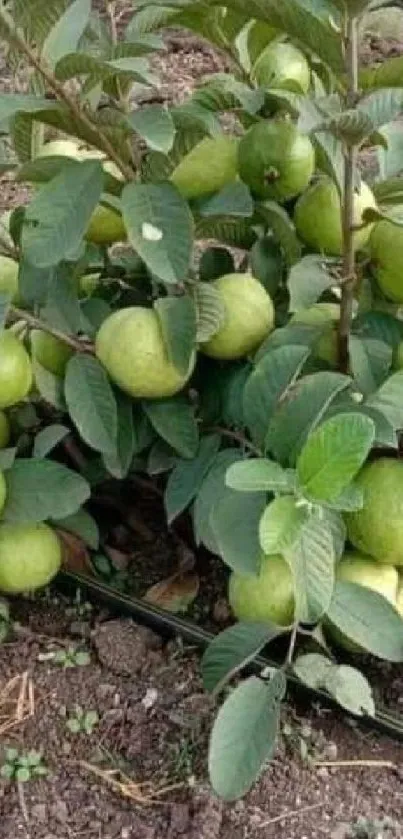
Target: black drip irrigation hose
(168,625)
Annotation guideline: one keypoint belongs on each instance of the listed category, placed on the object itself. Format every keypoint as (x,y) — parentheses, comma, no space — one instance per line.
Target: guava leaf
(187,477)
(62,308)
(81,524)
(5,301)
(266,385)
(174,420)
(370,361)
(66,33)
(259,474)
(280,524)
(333,454)
(177,316)
(232,649)
(48,438)
(368,619)
(41,489)
(49,386)
(301,412)
(160,229)
(210,311)
(214,263)
(155,125)
(351,689)
(312,559)
(212,490)
(118,461)
(307,281)
(91,403)
(312,669)
(244,735)
(389,400)
(235,524)
(233,200)
(282,229)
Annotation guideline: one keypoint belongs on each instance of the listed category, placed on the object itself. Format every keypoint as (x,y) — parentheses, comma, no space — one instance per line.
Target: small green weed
(22,766)
(81,721)
(372,828)
(71,657)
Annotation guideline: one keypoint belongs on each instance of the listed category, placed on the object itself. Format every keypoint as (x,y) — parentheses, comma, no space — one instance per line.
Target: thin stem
(291,647)
(63,96)
(237,437)
(76,344)
(350,169)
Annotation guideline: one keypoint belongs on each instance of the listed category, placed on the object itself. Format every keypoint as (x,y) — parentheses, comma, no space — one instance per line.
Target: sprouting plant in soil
(22,767)
(81,721)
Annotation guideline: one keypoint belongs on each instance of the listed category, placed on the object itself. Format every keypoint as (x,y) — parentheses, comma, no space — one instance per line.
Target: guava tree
(258,378)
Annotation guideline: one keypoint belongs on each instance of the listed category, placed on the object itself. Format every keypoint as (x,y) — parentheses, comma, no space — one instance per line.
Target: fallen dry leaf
(76,558)
(176,593)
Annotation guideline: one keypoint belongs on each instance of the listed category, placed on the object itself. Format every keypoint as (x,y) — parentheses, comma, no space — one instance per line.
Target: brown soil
(141,773)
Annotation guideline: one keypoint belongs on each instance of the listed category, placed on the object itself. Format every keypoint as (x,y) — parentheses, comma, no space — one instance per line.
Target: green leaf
(258,474)
(312,560)
(212,490)
(280,524)
(282,228)
(174,420)
(267,264)
(214,263)
(312,669)
(382,106)
(331,156)
(7,457)
(49,386)
(155,125)
(233,200)
(41,489)
(368,619)
(333,454)
(59,214)
(34,282)
(177,316)
(62,308)
(390,159)
(14,103)
(370,362)
(210,311)
(118,462)
(66,33)
(48,438)
(160,228)
(82,525)
(388,400)
(351,690)
(187,477)
(244,735)
(301,412)
(91,403)
(235,524)
(266,385)
(307,281)
(232,649)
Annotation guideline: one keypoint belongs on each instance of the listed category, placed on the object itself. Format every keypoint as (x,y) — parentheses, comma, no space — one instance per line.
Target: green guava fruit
(9,277)
(317,217)
(4,430)
(30,556)
(283,67)
(377,529)
(249,317)
(208,167)
(316,315)
(363,570)
(386,249)
(15,370)
(131,347)
(269,596)
(275,160)
(106,225)
(51,353)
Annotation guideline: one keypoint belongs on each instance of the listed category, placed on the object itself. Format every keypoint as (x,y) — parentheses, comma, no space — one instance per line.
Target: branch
(237,437)
(76,344)
(59,91)
(350,169)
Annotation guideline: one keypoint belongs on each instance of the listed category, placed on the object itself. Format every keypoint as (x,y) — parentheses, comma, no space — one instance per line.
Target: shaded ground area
(141,772)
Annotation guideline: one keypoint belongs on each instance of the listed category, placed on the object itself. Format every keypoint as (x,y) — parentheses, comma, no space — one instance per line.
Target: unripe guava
(30,556)
(269,596)
(318,221)
(51,353)
(208,167)
(9,269)
(364,570)
(386,248)
(4,430)
(283,67)
(317,315)
(275,160)
(15,370)
(377,529)
(131,347)
(249,317)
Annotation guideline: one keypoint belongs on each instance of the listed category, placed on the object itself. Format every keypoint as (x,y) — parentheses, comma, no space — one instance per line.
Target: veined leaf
(280,524)
(232,649)
(312,561)
(91,403)
(368,619)
(155,125)
(235,524)
(174,420)
(41,489)
(307,281)
(212,490)
(259,474)
(66,32)
(177,316)
(187,477)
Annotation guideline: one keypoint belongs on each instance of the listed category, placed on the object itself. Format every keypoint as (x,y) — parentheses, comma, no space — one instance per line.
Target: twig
(59,91)
(290,814)
(23,803)
(75,343)
(291,647)
(350,168)
(351,764)
(237,437)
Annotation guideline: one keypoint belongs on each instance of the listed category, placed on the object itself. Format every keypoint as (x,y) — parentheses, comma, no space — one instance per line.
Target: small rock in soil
(124,647)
